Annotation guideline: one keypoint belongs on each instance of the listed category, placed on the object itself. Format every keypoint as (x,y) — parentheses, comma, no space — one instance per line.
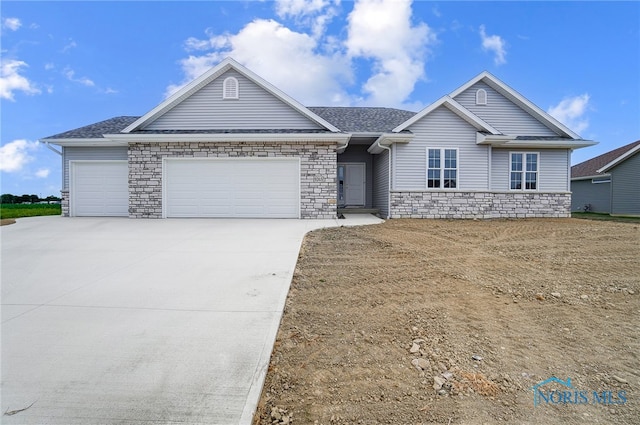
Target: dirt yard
(454,322)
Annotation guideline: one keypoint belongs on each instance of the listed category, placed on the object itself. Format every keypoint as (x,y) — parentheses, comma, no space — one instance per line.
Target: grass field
(605,217)
(33,210)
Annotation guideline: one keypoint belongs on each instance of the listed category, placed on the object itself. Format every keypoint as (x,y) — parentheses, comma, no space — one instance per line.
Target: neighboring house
(608,183)
(230,144)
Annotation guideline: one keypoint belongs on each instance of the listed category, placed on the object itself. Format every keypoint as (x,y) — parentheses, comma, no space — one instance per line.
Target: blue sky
(69,64)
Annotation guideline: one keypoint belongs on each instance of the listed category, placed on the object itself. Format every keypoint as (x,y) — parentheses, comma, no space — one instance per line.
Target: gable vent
(481,97)
(230,88)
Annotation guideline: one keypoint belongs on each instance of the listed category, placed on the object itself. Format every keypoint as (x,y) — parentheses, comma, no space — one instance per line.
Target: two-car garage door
(238,187)
(232,187)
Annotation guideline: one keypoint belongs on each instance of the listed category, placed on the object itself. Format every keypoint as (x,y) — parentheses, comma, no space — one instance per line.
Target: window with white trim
(523,171)
(230,88)
(481,97)
(442,168)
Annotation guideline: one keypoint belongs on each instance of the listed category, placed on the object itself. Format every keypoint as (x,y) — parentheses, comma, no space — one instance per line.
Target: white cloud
(570,111)
(495,44)
(43,173)
(71,76)
(12,24)
(71,45)
(299,7)
(285,58)
(49,66)
(315,67)
(315,14)
(11,80)
(15,155)
(382,30)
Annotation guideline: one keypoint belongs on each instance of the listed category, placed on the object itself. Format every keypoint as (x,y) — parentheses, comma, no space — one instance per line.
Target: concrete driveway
(108,320)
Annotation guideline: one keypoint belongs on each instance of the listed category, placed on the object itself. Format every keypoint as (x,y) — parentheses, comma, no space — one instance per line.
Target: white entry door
(352,184)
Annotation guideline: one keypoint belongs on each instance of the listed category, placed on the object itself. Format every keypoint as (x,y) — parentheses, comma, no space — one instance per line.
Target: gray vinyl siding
(89,153)
(553,169)
(254,109)
(501,113)
(441,129)
(597,195)
(625,187)
(381,183)
(359,154)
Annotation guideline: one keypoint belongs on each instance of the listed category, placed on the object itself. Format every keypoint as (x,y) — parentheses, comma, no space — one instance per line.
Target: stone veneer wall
(64,196)
(420,204)
(317,171)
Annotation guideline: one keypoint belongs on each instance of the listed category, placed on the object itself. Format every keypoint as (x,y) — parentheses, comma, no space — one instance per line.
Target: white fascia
(503,141)
(84,142)
(230,137)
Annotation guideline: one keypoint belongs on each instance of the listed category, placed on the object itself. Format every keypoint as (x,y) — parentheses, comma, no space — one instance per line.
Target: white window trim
(226,82)
(426,174)
(524,171)
(480,92)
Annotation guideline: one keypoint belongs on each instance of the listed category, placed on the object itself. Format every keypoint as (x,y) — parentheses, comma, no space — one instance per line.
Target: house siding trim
(318,192)
(479,205)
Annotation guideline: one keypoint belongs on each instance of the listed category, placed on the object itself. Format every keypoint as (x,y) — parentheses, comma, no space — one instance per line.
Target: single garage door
(99,188)
(238,187)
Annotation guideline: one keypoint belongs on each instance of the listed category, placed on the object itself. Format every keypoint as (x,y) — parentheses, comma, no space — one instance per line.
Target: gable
(502,113)
(255,109)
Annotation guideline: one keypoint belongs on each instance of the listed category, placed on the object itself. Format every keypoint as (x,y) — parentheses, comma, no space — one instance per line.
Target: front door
(351,184)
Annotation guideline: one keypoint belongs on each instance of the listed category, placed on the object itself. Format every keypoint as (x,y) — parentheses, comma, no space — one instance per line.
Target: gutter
(51,148)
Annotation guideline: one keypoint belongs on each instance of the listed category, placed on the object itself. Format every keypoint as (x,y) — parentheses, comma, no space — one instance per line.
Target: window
(230,88)
(524,171)
(481,97)
(442,168)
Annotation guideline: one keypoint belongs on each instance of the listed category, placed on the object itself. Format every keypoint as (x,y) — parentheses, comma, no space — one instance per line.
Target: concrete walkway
(108,320)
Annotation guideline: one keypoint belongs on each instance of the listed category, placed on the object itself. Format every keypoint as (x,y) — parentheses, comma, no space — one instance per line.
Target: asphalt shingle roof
(96,130)
(591,166)
(363,119)
(347,119)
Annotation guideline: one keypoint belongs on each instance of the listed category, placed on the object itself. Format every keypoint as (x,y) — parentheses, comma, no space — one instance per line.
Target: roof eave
(595,176)
(229,137)
(510,141)
(387,140)
(79,142)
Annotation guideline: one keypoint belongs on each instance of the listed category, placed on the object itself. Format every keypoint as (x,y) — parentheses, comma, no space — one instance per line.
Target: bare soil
(454,322)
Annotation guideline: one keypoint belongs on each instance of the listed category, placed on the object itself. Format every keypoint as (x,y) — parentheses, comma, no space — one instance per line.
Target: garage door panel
(100,188)
(232,188)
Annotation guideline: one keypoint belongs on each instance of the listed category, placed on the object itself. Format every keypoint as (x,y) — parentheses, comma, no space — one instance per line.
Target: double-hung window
(442,168)
(524,171)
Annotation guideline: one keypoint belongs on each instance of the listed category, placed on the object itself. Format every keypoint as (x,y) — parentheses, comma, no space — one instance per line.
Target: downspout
(61,159)
(336,171)
(389,183)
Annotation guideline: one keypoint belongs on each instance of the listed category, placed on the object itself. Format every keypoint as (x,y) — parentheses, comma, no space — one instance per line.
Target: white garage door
(238,187)
(99,188)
